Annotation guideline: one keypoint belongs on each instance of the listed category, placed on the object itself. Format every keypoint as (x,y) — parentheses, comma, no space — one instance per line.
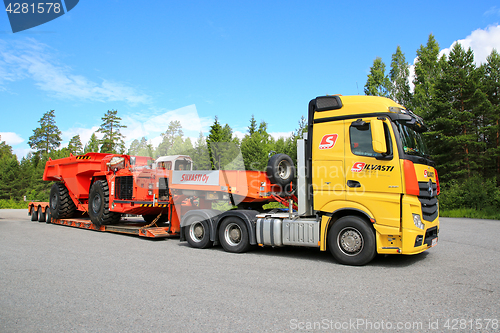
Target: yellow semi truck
(366,183)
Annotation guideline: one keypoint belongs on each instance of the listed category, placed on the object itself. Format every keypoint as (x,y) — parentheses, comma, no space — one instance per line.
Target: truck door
(373,179)
(328,163)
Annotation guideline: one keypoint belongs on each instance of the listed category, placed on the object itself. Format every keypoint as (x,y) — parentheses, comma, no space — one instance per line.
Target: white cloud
(277,135)
(11,138)
(85,134)
(493,11)
(481,41)
(152,123)
(36,61)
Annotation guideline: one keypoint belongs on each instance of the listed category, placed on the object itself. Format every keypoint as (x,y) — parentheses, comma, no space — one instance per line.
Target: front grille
(124,187)
(428,200)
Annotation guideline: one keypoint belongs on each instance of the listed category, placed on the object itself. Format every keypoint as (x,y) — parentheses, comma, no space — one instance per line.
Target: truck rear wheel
(197,233)
(233,235)
(352,241)
(61,205)
(99,205)
(280,169)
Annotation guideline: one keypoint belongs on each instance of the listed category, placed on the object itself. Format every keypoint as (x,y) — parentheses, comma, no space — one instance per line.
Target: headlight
(418,222)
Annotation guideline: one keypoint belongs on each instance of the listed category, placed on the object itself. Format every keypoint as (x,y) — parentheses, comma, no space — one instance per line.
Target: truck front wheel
(99,205)
(61,205)
(352,241)
(198,233)
(233,235)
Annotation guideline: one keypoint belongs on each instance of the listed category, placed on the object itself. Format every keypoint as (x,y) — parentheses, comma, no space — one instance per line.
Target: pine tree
(378,83)
(93,145)
(255,146)
(47,137)
(456,116)
(399,75)
(427,69)
(75,145)
(223,149)
(173,131)
(491,86)
(141,148)
(112,141)
(200,155)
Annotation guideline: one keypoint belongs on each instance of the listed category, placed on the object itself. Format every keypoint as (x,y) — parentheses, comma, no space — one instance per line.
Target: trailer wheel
(280,169)
(61,205)
(41,215)
(34,214)
(48,216)
(99,205)
(198,233)
(352,241)
(233,235)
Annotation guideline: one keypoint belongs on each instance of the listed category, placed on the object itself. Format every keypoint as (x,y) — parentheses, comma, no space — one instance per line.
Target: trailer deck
(130,227)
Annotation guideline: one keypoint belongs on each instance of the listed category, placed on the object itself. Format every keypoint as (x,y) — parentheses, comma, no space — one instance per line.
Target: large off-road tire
(351,240)
(99,205)
(280,169)
(233,235)
(41,215)
(197,233)
(34,214)
(61,205)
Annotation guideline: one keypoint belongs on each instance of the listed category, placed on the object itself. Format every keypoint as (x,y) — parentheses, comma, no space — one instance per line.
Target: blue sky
(157,61)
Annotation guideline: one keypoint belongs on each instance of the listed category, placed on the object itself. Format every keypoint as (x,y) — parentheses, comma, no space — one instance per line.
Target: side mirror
(378,136)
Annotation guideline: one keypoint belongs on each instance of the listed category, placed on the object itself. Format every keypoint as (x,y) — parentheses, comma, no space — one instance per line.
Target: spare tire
(280,169)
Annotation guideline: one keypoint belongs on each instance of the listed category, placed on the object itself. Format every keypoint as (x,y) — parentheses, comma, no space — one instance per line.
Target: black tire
(48,216)
(198,233)
(99,205)
(280,169)
(233,235)
(61,205)
(41,215)
(351,241)
(34,214)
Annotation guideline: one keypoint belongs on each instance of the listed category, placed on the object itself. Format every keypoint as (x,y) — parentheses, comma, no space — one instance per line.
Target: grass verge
(488,213)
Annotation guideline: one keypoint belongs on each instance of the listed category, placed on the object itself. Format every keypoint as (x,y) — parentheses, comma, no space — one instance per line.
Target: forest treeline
(458,100)
(460,103)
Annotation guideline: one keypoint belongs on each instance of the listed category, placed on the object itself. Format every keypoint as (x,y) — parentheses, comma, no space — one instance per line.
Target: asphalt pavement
(55,278)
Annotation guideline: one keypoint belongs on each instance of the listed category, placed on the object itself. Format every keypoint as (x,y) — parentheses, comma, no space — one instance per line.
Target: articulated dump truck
(364,185)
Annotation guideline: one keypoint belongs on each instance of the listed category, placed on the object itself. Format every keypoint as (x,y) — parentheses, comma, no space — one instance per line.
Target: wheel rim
(283,170)
(350,241)
(96,204)
(232,234)
(197,232)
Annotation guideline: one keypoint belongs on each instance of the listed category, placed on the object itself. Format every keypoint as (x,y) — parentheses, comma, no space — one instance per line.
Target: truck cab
(367,163)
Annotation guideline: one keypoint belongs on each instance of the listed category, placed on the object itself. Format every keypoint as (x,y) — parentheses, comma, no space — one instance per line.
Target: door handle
(353,183)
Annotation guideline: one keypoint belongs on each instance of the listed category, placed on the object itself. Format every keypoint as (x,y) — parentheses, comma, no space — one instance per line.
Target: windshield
(413,144)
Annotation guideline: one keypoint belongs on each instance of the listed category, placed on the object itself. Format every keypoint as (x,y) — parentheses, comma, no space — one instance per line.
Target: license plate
(434,242)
